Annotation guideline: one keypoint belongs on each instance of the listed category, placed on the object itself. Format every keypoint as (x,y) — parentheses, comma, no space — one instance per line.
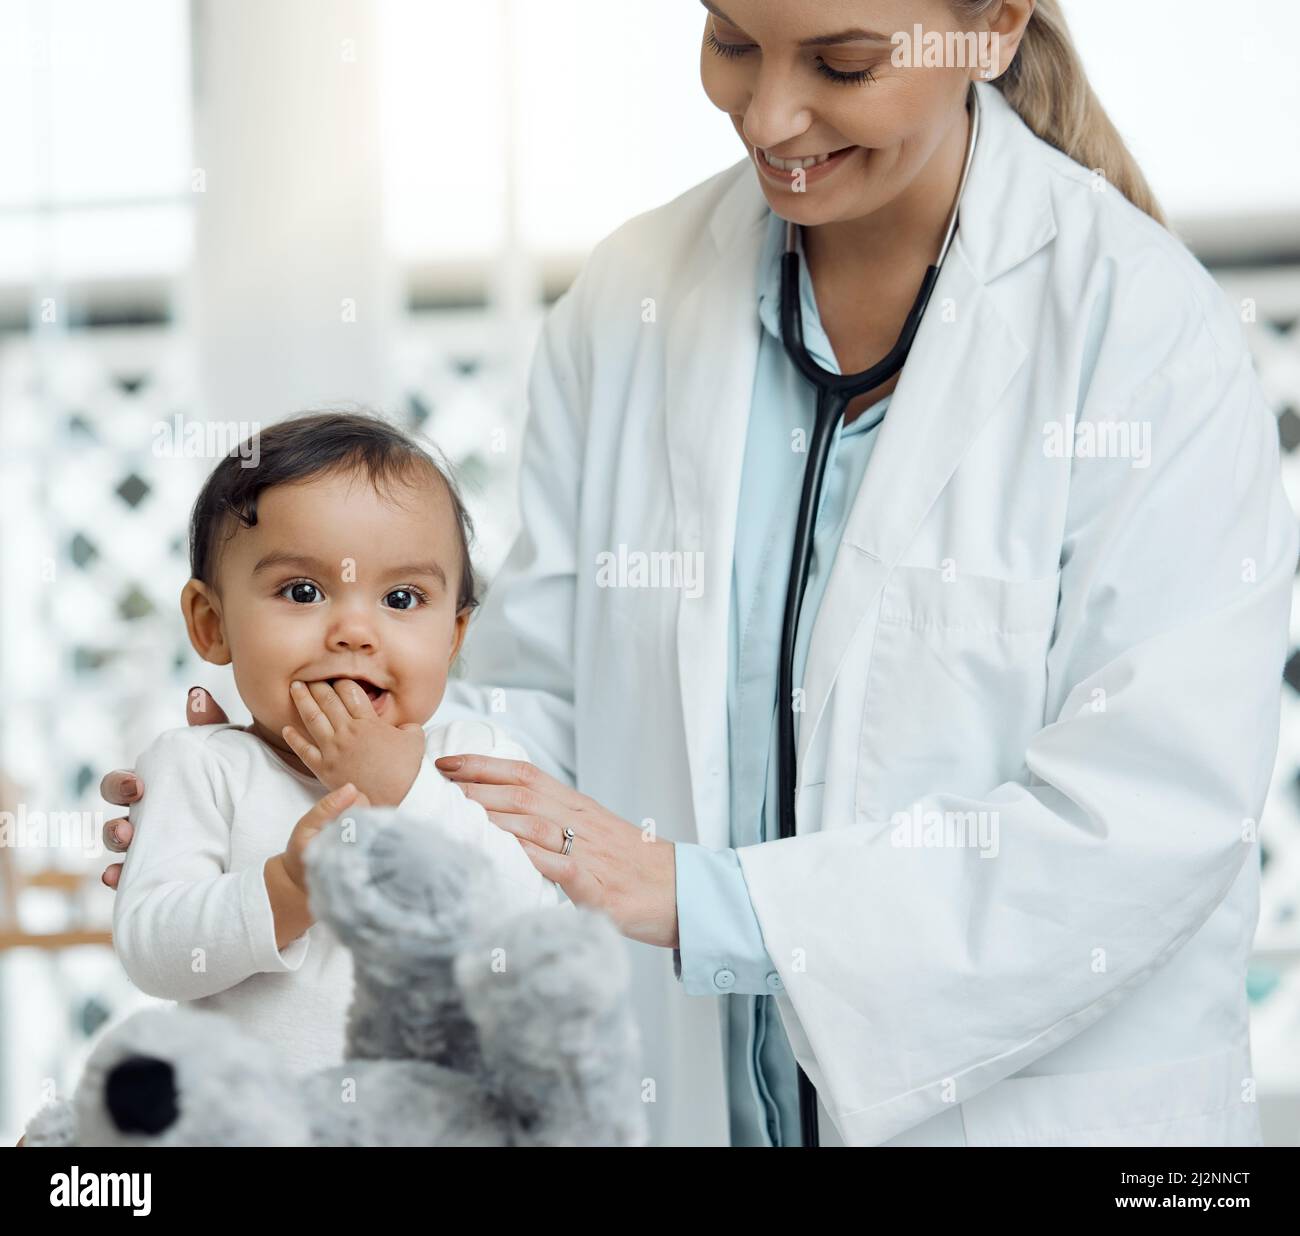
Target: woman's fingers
(121,787)
(549,834)
(314,720)
(580,886)
(487,769)
(202,709)
(308,754)
(117,835)
(514,800)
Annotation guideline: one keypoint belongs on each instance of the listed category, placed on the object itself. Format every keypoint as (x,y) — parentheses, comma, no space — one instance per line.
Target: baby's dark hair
(311,445)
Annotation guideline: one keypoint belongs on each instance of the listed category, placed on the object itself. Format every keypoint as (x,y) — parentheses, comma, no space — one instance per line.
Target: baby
(335,578)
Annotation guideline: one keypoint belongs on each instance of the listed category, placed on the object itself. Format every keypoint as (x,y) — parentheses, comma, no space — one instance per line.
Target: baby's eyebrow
(420,568)
(282,558)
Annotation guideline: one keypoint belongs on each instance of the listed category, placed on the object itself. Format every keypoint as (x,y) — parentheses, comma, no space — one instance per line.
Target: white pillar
(292,302)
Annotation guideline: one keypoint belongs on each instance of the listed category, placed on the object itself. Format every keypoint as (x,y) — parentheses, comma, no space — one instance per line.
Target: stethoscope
(834,394)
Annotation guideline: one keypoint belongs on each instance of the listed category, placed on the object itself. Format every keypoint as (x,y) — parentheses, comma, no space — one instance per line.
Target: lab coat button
(724,979)
(774,982)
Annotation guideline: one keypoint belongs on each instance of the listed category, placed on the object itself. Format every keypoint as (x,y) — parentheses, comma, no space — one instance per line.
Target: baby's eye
(404,598)
(301,591)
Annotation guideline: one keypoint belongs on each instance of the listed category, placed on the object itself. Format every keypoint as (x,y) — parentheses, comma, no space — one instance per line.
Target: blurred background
(216,212)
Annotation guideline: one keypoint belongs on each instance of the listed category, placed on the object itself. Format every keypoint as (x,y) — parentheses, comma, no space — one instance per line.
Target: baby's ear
(203,621)
(458,634)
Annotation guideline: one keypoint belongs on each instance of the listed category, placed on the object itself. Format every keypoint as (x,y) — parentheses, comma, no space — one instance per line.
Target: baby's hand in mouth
(346,738)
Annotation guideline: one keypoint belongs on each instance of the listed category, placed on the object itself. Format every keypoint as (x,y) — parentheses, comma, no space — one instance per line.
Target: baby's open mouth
(365,684)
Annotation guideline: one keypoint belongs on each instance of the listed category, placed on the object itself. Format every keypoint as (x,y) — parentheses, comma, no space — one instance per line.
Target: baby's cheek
(267,699)
(420,696)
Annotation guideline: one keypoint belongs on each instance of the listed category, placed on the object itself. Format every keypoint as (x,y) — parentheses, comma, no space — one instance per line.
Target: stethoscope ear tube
(834,394)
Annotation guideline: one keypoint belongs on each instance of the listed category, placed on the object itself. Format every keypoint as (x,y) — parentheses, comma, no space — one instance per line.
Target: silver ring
(568,841)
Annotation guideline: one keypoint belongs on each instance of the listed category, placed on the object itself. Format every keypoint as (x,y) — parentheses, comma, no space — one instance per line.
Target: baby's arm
(184,926)
(521,885)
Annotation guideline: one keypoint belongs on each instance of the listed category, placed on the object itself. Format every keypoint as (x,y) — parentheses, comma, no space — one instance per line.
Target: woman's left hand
(612,865)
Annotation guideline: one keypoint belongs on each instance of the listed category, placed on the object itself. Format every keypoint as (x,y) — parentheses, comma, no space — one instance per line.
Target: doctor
(1040,652)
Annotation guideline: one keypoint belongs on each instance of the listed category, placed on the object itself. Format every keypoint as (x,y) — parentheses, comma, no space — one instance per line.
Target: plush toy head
(466,1027)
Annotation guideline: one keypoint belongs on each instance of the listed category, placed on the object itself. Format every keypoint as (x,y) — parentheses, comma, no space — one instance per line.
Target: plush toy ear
(54,1125)
(402,895)
(547,992)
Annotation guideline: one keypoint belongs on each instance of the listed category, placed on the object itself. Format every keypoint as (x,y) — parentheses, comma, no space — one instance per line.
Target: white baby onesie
(192,919)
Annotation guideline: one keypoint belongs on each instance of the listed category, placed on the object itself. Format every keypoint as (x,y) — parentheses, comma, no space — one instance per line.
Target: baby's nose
(352,634)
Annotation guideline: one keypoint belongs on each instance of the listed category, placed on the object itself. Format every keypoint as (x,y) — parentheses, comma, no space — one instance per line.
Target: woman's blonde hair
(1047,86)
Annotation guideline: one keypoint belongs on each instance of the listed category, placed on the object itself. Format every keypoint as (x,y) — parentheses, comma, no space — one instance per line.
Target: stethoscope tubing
(834,394)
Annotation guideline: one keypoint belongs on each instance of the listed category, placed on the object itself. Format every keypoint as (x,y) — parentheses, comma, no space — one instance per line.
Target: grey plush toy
(463,1030)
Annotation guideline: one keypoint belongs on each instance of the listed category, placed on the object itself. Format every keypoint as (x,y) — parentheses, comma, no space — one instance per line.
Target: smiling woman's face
(816,78)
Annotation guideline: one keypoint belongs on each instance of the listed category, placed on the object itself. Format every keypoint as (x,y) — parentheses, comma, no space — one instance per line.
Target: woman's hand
(612,865)
(347,743)
(122,787)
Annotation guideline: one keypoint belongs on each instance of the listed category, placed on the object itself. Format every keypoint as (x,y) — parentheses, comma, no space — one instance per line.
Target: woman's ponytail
(1047,86)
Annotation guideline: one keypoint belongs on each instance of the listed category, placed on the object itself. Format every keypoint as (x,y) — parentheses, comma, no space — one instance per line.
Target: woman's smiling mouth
(806,170)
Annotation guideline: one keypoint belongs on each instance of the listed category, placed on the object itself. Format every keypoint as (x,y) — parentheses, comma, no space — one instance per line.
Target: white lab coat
(1086,649)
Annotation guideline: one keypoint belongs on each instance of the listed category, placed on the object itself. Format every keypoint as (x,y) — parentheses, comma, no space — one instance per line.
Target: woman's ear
(202,613)
(1007,29)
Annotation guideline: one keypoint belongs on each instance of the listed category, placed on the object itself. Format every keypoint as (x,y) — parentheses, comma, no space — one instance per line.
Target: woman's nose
(776,113)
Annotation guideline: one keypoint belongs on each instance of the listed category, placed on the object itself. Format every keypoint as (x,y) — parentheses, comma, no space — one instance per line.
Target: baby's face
(335,581)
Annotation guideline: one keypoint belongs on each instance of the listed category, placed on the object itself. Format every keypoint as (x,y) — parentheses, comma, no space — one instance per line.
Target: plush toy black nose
(141,1095)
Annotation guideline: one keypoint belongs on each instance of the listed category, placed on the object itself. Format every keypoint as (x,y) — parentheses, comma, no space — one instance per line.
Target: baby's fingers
(304,750)
(355,699)
(334,709)
(328,807)
(314,720)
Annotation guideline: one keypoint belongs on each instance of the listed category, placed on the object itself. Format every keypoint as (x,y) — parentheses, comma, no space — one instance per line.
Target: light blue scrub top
(721,945)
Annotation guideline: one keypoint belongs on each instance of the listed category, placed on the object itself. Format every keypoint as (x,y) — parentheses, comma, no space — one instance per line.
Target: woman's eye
(859,78)
(726,49)
(403,598)
(301,592)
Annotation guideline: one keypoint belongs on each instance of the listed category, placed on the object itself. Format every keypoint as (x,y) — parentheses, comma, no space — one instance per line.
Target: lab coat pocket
(956,685)
(1203,1101)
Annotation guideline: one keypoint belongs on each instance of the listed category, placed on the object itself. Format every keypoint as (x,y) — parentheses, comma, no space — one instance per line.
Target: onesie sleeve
(432,795)
(184,925)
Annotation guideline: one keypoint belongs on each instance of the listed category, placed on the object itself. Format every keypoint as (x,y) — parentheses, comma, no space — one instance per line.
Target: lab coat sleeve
(518,659)
(184,925)
(908,968)
(721,950)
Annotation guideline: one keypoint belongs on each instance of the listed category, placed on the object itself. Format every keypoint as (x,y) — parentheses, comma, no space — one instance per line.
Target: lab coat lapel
(711,354)
(964,358)
(949,387)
